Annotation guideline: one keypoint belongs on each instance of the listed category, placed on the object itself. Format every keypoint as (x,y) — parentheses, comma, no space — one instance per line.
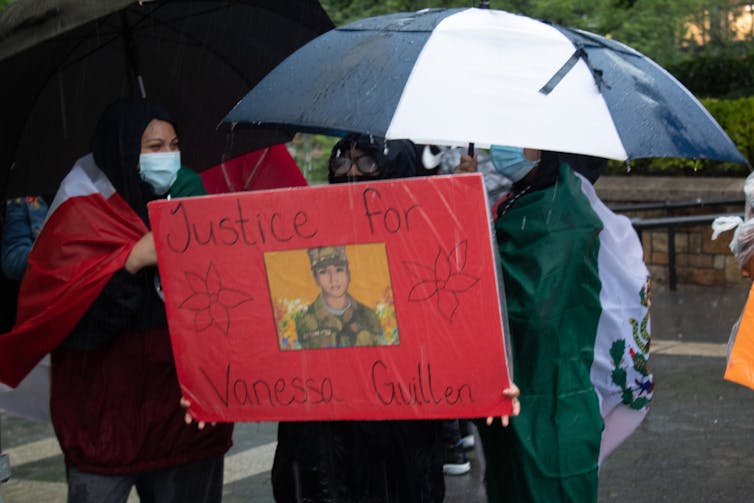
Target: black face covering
(116,146)
(395,158)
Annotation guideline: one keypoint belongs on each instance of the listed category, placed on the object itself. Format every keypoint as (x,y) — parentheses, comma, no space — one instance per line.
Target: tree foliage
(668,31)
(345,11)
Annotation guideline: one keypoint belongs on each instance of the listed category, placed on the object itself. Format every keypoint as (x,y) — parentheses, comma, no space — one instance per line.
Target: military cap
(327,255)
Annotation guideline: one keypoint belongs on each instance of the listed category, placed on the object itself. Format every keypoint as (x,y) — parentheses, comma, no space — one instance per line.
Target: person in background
(23,221)
(739,364)
(578,295)
(449,160)
(386,461)
(24,217)
(115,394)
(458,436)
(455,461)
(457,160)
(349,461)
(742,241)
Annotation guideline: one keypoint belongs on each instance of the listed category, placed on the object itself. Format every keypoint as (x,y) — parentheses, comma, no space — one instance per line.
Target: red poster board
(373,300)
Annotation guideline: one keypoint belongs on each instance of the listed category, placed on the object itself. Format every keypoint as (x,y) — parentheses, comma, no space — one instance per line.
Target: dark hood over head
(116,146)
(396,158)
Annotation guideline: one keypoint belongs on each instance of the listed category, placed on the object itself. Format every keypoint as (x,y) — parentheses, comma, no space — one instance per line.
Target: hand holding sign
(189,418)
(143,254)
(513,392)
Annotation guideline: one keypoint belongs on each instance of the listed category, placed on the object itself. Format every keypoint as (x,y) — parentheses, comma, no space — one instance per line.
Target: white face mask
(160,170)
(510,162)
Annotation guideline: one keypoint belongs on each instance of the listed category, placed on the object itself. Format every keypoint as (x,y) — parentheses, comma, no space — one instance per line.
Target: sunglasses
(340,165)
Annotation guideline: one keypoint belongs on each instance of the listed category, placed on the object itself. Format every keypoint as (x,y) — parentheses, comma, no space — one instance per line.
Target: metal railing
(672,221)
(671,206)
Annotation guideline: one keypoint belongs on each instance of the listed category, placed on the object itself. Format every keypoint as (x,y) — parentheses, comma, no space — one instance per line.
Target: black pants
(451,432)
(359,462)
(196,482)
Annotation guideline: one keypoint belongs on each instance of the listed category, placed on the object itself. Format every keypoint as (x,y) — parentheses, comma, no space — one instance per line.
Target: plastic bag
(740,364)
(742,243)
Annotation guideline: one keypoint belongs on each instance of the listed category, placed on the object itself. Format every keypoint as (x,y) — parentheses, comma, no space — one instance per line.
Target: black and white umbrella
(455,76)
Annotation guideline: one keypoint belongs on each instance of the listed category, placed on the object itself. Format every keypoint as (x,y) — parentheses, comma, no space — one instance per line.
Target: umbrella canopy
(453,76)
(64,61)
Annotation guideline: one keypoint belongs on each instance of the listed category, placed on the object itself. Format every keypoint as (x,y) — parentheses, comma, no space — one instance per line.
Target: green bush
(312,153)
(728,77)
(737,118)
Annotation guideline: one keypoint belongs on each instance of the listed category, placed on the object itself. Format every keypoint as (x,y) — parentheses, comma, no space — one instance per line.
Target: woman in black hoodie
(361,461)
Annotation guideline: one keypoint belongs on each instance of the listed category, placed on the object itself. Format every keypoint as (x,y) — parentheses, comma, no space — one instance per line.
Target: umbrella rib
(87,53)
(143,18)
(188,16)
(167,23)
(116,32)
(184,36)
(214,52)
(596,42)
(62,67)
(113,35)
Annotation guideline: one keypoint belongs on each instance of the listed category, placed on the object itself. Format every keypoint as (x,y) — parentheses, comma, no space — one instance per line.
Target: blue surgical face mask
(159,170)
(510,161)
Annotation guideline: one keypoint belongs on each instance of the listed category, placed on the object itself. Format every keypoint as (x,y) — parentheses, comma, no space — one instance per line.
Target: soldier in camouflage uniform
(335,319)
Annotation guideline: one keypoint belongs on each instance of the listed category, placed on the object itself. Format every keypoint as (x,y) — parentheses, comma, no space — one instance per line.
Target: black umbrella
(63,61)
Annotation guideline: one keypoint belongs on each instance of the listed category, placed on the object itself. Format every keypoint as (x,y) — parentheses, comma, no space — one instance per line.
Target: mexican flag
(578,297)
(88,235)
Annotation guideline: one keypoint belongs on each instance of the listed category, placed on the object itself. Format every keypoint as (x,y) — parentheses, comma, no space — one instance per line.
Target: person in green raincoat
(577,294)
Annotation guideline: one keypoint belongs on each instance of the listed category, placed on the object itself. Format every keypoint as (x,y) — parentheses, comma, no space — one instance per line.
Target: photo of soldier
(335,318)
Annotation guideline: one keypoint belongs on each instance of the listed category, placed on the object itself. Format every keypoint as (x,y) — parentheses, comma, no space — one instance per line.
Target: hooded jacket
(114,392)
(362,461)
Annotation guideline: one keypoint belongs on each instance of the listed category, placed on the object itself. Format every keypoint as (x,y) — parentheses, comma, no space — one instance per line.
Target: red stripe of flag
(84,242)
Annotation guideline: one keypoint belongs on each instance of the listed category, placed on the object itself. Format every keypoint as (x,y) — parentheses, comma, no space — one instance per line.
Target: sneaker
(455,462)
(467,442)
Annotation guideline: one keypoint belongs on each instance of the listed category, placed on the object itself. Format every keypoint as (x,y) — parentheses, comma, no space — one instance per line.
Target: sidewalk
(696,313)
(696,444)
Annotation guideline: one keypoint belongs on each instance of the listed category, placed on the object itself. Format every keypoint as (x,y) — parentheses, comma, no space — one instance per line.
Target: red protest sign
(355,301)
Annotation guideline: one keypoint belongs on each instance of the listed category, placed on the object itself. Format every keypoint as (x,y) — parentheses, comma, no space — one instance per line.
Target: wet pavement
(696,444)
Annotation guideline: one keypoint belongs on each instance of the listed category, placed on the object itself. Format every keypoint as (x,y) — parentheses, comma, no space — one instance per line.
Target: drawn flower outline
(445,279)
(210,301)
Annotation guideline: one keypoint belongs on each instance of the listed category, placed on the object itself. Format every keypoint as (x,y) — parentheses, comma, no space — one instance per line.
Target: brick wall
(699,260)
